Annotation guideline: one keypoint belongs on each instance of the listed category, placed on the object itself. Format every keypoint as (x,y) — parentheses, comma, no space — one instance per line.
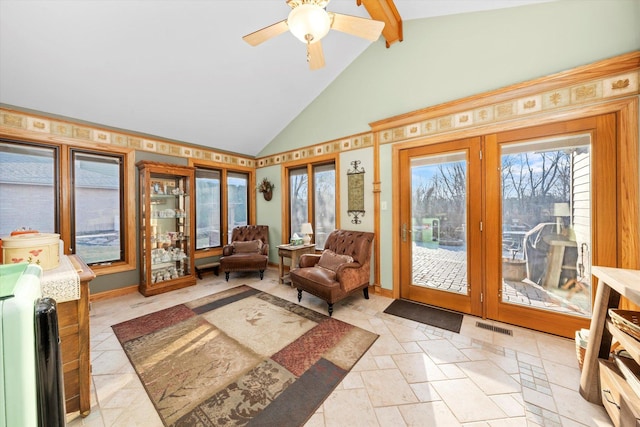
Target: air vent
(494,328)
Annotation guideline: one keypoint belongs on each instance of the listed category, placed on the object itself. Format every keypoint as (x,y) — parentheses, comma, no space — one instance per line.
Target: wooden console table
(293,253)
(73,324)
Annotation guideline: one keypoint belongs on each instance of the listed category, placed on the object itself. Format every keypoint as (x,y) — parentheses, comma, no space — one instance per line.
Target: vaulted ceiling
(179,69)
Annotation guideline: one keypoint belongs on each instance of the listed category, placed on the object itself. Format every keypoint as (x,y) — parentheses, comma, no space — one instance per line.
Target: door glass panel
(439,217)
(324,206)
(546,224)
(237,196)
(298,200)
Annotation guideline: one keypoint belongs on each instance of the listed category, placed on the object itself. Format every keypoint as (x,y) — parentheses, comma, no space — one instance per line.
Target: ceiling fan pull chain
(309,37)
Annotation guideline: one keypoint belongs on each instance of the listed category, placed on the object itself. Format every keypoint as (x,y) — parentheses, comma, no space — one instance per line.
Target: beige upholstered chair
(248,250)
(342,269)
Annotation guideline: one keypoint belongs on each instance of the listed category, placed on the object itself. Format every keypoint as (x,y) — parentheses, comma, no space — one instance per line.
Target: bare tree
(421,198)
(514,178)
(542,179)
(298,184)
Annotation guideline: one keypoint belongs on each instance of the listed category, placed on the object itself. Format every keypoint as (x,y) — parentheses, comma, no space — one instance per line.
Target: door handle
(404,232)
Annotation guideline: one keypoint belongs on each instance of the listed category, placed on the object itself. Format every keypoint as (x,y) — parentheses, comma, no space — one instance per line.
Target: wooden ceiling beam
(385,11)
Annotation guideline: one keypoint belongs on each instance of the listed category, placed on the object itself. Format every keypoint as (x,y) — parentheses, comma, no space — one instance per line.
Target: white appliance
(31,392)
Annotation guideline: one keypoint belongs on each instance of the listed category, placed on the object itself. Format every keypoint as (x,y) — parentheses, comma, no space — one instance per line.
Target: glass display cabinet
(166,226)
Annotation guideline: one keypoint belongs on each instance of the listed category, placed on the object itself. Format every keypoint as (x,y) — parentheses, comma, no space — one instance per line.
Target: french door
(440,227)
(507,225)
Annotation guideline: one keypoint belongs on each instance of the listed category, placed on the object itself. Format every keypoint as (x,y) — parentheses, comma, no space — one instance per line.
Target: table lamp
(306,230)
(560,210)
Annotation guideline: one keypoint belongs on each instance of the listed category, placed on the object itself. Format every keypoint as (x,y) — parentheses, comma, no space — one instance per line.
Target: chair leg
(366,292)
(226,276)
(299,295)
(261,274)
(330,309)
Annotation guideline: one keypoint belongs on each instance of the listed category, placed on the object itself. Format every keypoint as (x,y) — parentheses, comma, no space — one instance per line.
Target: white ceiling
(177,69)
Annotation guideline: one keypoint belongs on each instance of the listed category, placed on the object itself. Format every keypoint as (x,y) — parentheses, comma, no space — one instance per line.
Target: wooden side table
(293,253)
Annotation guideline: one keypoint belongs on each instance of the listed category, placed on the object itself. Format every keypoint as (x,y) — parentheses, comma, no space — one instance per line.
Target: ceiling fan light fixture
(309,22)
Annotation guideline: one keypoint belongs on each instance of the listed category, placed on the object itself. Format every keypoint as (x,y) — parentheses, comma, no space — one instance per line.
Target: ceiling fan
(309,21)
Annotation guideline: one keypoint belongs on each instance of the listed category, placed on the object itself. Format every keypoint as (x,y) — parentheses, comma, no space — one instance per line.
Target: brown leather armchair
(342,269)
(248,250)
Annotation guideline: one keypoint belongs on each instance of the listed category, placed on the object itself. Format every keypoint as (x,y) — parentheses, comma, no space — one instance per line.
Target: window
(210,199)
(28,175)
(208,214)
(320,210)
(324,218)
(94,221)
(298,199)
(97,207)
(237,195)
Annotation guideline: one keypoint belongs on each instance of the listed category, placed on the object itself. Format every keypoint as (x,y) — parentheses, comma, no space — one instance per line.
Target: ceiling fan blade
(356,26)
(315,56)
(266,33)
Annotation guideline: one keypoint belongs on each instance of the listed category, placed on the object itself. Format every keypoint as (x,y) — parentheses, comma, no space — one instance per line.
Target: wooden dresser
(73,323)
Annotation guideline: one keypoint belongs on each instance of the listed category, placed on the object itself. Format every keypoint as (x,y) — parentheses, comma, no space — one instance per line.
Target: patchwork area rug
(434,316)
(240,357)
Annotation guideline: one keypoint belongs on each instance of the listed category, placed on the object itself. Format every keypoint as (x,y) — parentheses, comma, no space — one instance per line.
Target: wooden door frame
(470,303)
(627,211)
(604,205)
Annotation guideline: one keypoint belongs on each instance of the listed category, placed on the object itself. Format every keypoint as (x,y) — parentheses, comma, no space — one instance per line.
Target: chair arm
(307,260)
(265,249)
(227,250)
(351,275)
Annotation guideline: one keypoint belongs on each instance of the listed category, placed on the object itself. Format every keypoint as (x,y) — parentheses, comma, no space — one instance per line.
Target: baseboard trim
(113,293)
(379,290)
(130,290)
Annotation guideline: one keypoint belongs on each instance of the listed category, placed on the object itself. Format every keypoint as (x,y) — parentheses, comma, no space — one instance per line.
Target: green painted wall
(270,212)
(447,58)
(386,220)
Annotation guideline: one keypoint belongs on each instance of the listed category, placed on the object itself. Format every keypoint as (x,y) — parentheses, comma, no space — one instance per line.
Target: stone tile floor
(414,375)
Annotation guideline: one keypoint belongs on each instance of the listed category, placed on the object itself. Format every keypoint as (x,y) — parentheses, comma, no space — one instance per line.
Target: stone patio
(446,270)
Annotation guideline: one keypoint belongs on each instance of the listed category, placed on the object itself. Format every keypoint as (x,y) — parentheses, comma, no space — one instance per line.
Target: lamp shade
(306,228)
(561,209)
(309,22)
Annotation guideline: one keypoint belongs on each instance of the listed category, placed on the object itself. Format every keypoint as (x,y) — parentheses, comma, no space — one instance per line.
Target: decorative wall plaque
(355,190)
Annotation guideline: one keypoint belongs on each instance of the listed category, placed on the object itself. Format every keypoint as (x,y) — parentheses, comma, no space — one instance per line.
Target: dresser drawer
(620,401)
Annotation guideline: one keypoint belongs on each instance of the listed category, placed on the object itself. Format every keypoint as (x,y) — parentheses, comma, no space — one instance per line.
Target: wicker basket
(627,321)
(581,348)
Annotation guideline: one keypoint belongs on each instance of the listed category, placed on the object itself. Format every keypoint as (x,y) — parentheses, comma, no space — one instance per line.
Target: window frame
(225,170)
(72,246)
(64,190)
(56,174)
(195,185)
(286,202)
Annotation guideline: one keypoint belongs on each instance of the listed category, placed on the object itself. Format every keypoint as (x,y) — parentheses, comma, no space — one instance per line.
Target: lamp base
(306,239)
